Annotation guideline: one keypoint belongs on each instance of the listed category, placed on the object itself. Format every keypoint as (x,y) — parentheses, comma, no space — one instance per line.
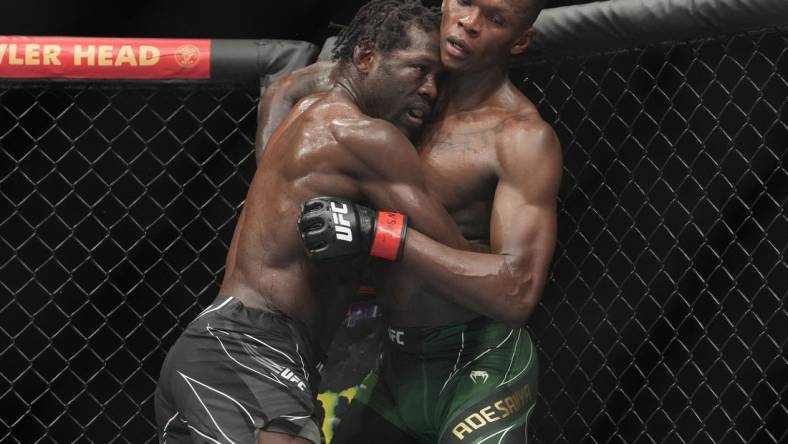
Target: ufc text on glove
(332,227)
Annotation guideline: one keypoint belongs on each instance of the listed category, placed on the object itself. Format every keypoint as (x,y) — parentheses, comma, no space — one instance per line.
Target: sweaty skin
(490,159)
(327,146)
(494,170)
(493,163)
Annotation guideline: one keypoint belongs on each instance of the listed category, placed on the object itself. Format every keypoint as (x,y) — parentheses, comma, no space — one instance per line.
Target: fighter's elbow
(520,299)
(517,312)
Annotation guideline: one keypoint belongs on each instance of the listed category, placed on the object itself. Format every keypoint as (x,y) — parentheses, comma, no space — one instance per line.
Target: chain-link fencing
(664,320)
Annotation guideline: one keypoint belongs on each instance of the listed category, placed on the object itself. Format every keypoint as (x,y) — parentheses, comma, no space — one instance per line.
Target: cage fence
(664,319)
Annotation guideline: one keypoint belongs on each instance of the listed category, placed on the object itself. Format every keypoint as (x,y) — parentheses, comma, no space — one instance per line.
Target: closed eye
(496,19)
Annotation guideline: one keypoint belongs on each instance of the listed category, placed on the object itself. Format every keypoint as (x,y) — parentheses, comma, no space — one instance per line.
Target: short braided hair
(383,25)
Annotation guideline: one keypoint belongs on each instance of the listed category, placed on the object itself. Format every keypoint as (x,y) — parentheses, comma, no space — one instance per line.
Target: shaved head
(529,8)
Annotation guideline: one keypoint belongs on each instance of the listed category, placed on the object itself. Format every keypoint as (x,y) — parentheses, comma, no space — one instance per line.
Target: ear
(443,5)
(522,42)
(364,58)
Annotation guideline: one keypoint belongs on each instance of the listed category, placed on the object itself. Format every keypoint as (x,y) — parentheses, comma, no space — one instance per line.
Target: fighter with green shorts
(467,383)
(495,165)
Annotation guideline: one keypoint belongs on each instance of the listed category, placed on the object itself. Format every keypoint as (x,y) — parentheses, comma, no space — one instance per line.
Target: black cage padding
(250,60)
(614,25)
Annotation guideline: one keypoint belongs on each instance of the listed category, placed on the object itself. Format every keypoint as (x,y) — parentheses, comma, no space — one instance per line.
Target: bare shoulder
(526,137)
(339,118)
(363,132)
(529,157)
(326,115)
(380,149)
(306,103)
(375,145)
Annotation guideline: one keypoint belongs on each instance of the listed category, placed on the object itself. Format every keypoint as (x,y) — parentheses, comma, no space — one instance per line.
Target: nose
(429,89)
(469,22)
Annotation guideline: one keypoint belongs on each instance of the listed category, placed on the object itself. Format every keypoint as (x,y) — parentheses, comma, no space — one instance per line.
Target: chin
(452,64)
(447,61)
(410,132)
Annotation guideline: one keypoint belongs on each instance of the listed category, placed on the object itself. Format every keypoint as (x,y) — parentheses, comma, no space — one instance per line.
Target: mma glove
(332,228)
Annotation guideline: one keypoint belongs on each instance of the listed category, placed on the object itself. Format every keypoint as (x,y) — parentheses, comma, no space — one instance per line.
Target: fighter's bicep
(519,226)
(524,207)
(392,178)
(391,195)
(424,210)
(388,169)
(382,150)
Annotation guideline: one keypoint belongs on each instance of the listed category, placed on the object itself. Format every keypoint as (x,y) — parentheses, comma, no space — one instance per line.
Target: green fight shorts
(469,383)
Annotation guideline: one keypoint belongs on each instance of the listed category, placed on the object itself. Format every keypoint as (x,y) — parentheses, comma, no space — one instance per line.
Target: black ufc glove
(331,227)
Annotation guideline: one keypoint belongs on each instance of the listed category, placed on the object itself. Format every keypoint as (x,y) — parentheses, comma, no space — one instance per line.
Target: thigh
(362,424)
(171,429)
(373,416)
(504,435)
(501,417)
(491,400)
(225,386)
(280,438)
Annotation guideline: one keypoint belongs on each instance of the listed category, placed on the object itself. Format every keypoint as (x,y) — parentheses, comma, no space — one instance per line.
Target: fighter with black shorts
(236,370)
(246,369)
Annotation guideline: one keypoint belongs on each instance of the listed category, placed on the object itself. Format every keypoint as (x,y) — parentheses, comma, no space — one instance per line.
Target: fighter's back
(246,369)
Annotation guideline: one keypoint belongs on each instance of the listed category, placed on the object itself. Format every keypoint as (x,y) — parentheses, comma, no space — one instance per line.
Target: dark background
(293,19)
(664,319)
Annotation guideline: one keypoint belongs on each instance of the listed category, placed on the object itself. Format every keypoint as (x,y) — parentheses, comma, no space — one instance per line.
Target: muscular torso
(267,267)
(460,160)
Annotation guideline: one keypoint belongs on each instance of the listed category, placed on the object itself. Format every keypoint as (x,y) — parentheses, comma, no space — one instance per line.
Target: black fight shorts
(235,371)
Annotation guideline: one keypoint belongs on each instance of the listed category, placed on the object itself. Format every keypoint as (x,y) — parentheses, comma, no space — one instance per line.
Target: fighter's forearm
(436,224)
(425,213)
(500,286)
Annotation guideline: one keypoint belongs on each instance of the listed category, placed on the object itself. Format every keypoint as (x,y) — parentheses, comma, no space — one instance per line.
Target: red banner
(104,58)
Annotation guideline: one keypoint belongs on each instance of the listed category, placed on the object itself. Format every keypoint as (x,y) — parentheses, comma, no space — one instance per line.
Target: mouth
(457,47)
(416,116)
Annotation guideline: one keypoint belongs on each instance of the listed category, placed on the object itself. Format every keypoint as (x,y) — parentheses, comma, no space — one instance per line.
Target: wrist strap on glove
(389,238)
(333,227)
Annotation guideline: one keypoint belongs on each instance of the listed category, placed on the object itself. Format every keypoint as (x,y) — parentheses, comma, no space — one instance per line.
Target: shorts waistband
(233,307)
(477,332)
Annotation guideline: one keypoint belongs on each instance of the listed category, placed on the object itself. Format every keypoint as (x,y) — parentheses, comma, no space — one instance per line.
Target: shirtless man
(457,366)
(247,368)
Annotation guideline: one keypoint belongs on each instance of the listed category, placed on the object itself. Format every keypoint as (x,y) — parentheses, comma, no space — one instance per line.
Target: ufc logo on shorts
(290,376)
(341,225)
(395,336)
